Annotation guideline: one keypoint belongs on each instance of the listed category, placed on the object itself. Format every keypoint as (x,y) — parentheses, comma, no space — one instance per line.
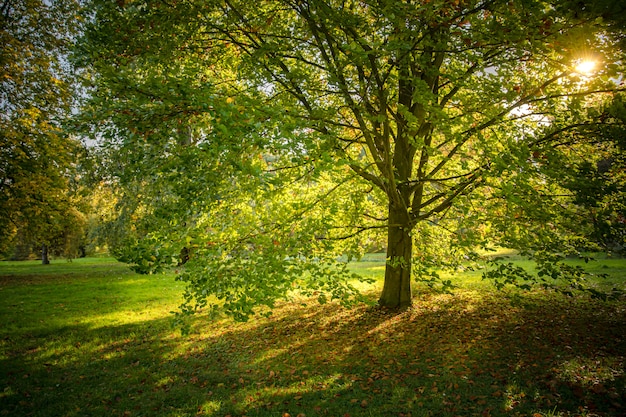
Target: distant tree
(598,182)
(270,137)
(36,94)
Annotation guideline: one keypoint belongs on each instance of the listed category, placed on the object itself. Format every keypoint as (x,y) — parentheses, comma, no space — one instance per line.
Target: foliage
(36,93)
(445,120)
(581,190)
(92,338)
(599,185)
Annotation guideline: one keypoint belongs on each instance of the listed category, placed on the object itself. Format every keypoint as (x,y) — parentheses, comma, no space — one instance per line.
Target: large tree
(36,94)
(436,122)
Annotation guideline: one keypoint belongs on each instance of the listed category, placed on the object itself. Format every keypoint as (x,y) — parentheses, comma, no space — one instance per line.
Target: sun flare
(586,66)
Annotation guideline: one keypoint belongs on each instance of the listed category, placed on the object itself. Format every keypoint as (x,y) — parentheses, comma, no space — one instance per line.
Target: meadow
(92,338)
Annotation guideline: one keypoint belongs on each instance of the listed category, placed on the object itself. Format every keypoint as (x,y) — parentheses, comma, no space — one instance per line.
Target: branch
(329,49)
(564,129)
(414,183)
(577,94)
(377,181)
(360,229)
(460,189)
(378,219)
(470,71)
(492,121)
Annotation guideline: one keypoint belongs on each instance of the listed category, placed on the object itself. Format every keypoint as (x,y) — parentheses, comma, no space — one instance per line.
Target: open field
(91,338)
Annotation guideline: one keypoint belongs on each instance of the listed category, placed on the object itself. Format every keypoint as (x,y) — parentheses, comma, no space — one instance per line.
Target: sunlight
(586,66)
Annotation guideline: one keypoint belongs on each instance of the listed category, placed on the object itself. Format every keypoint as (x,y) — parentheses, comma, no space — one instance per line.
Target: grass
(90,338)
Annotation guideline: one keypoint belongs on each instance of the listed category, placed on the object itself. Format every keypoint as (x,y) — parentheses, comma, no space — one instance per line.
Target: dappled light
(318,208)
(478,352)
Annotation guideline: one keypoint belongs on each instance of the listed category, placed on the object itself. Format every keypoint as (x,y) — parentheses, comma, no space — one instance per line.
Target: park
(313,208)
(93,338)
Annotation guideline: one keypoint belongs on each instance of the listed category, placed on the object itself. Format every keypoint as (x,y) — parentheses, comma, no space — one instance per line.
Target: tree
(598,184)
(431,112)
(36,94)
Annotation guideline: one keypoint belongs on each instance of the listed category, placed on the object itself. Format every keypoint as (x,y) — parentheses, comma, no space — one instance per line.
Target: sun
(586,66)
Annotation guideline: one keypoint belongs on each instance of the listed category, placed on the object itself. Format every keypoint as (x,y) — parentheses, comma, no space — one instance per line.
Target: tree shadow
(469,354)
(457,355)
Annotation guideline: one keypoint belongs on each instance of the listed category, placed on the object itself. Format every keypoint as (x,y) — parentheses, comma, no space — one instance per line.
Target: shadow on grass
(448,356)
(469,354)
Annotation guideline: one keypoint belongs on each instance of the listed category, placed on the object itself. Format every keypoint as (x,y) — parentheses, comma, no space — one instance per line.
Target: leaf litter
(467,354)
(474,353)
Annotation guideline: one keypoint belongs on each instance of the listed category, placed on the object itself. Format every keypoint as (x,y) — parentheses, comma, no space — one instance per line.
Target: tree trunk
(44,255)
(397,287)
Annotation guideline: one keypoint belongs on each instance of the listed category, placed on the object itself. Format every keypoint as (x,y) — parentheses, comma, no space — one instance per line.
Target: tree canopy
(36,93)
(267,139)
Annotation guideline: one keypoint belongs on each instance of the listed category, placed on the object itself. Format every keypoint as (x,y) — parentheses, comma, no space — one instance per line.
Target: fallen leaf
(598,389)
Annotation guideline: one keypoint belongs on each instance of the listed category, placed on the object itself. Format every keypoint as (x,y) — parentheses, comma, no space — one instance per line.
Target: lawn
(91,338)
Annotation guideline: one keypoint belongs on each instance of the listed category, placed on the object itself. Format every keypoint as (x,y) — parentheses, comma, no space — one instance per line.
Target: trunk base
(396,298)
(44,255)
(392,305)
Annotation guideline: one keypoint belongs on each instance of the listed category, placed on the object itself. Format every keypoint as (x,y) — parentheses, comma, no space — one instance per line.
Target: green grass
(90,338)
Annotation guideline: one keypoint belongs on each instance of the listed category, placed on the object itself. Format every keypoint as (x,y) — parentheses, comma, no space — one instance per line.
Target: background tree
(598,184)
(36,93)
(411,119)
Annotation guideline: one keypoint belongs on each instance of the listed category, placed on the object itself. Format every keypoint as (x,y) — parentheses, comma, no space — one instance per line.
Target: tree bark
(397,291)
(44,255)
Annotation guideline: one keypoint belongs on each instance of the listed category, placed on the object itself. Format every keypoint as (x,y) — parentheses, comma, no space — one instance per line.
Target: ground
(92,338)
